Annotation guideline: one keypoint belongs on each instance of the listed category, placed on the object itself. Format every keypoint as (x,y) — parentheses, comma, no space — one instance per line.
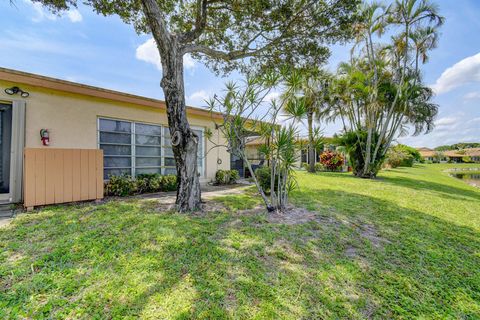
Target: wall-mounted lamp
(15,90)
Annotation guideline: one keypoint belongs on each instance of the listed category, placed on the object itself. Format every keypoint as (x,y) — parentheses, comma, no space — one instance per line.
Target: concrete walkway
(209,192)
(166,199)
(4,221)
(6,214)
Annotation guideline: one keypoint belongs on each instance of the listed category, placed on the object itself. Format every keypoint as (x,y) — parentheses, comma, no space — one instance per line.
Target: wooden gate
(62,175)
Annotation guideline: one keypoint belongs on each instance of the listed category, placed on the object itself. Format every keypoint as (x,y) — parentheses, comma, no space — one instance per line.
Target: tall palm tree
(380,92)
(417,21)
(424,40)
(305,99)
(411,16)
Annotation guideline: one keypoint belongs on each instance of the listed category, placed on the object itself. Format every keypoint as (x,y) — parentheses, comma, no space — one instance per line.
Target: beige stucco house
(470,154)
(131,130)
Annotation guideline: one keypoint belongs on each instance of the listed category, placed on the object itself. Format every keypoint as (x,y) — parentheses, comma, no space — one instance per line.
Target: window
(115,139)
(134,148)
(148,148)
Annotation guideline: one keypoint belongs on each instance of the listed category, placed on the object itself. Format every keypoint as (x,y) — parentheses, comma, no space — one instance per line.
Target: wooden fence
(62,175)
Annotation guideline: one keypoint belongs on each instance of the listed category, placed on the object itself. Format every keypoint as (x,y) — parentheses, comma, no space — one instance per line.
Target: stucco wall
(72,121)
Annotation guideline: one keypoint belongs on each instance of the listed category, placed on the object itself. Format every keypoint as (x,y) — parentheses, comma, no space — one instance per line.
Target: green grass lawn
(406,245)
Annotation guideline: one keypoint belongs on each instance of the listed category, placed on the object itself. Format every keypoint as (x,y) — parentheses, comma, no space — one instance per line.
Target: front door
(5,148)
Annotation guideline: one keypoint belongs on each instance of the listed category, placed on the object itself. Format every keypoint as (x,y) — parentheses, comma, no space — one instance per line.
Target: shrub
(399,158)
(148,182)
(354,143)
(125,185)
(467,159)
(234,176)
(223,177)
(264,175)
(410,150)
(407,161)
(319,167)
(220,177)
(168,183)
(305,166)
(331,161)
(120,186)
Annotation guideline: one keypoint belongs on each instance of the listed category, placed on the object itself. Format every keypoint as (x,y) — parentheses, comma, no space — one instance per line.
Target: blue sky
(102,51)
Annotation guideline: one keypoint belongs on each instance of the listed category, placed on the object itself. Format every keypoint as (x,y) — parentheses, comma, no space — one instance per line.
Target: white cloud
(463,72)
(188,62)
(472,96)
(459,127)
(148,52)
(273,95)
(446,122)
(198,98)
(42,14)
(74,15)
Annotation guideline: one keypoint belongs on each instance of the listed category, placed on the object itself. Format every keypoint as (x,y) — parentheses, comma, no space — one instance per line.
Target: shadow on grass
(445,190)
(115,261)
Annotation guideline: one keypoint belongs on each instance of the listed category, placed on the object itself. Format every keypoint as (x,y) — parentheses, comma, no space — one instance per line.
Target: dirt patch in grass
(369,232)
(351,252)
(167,204)
(295,215)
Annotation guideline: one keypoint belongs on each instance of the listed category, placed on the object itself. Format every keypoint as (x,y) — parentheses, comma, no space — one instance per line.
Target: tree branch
(200,23)
(227,56)
(157,24)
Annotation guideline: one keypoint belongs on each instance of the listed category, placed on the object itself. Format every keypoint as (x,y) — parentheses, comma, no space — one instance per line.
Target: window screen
(135,148)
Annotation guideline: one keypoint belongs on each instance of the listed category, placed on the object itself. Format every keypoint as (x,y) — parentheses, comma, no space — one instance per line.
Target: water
(472,178)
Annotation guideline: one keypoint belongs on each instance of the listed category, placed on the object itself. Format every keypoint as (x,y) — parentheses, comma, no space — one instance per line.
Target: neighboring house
(254,156)
(429,154)
(304,154)
(131,130)
(464,155)
(257,159)
(458,156)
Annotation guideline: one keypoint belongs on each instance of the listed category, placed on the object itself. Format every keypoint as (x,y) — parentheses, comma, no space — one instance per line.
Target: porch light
(15,90)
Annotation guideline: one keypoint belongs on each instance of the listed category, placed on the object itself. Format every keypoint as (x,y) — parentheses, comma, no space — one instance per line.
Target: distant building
(428,154)
(458,156)
(472,154)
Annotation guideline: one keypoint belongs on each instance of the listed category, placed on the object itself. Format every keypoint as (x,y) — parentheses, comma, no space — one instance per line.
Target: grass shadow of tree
(427,267)
(118,261)
(445,190)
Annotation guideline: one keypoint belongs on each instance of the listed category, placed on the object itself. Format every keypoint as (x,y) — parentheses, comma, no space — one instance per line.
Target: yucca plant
(242,107)
(283,155)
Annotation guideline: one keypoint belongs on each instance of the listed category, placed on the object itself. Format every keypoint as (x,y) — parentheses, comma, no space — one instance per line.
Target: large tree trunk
(311,148)
(184,140)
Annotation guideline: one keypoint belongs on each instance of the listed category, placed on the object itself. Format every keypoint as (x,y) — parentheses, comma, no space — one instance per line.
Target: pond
(472,178)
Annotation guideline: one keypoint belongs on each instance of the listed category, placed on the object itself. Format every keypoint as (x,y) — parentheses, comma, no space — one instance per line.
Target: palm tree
(382,88)
(411,16)
(424,40)
(305,99)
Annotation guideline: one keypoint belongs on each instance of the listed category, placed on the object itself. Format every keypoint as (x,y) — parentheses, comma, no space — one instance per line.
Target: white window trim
(162,144)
